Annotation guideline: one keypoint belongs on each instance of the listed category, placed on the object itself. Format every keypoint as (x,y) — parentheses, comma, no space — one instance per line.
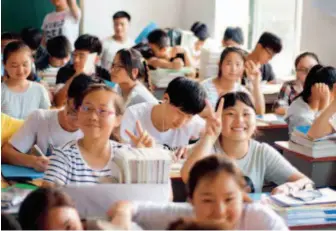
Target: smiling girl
(19,96)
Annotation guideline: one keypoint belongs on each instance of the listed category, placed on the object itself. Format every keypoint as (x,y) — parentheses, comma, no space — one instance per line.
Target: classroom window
(284,19)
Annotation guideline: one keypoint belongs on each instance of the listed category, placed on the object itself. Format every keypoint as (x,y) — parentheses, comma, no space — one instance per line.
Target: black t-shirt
(66,72)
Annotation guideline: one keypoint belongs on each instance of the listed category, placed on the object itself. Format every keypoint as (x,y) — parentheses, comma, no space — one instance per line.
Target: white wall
(198,10)
(318,32)
(97,14)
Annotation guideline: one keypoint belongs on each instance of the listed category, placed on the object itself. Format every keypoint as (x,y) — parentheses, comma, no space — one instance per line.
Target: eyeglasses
(303,70)
(100,112)
(117,66)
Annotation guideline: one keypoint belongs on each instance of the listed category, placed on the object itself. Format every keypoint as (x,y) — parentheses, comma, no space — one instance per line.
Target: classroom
(168,115)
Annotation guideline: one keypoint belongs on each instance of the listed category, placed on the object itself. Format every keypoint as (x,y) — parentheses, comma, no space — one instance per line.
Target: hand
(179,50)
(39,163)
(214,120)
(181,153)
(143,140)
(121,207)
(286,188)
(253,72)
(177,63)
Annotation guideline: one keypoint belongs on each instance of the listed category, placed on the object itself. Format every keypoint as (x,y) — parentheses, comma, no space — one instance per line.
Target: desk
(321,170)
(270,133)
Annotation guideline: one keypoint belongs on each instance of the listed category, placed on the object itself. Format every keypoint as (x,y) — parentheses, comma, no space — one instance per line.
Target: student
(6,38)
(64,21)
(318,91)
(193,224)
(267,47)
(85,57)
(325,124)
(231,70)
(19,96)
(233,37)
(172,123)
(229,132)
(119,40)
(127,68)
(59,51)
(289,90)
(32,37)
(210,200)
(49,209)
(160,55)
(201,33)
(9,126)
(89,160)
(47,129)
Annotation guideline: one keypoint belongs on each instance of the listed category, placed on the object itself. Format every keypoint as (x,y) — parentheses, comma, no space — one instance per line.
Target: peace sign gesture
(143,140)
(214,120)
(253,71)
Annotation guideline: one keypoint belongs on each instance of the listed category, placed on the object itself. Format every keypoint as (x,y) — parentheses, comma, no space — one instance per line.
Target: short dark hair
(305,54)
(271,41)
(122,14)
(59,47)
(159,37)
(200,30)
(32,37)
(318,74)
(34,208)
(235,34)
(188,95)
(89,43)
(225,53)
(211,166)
(10,36)
(231,99)
(79,85)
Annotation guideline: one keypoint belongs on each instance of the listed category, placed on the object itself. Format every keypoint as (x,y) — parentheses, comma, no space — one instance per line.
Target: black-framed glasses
(117,66)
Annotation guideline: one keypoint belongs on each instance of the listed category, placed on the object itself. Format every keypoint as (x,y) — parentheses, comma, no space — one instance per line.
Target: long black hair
(318,74)
(130,59)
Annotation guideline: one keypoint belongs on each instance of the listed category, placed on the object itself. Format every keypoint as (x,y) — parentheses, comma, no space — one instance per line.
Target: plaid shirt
(288,92)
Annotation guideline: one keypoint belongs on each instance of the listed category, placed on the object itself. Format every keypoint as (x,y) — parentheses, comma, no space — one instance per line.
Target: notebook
(19,172)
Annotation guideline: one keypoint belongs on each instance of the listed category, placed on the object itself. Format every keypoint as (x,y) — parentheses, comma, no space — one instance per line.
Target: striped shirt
(67,166)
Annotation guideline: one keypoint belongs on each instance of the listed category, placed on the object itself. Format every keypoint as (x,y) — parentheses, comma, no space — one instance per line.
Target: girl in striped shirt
(90,160)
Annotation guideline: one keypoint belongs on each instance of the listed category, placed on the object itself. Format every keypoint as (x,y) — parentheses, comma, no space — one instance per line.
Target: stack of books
(306,211)
(144,165)
(209,62)
(318,148)
(271,119)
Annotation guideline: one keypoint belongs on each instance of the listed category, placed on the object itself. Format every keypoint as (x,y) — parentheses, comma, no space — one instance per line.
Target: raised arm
(322,126)
(74,8)
(203,148)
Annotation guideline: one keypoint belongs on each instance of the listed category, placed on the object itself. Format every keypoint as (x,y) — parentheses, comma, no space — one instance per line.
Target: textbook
(271,119)
(162,77)
(18,172)
(317,148)
(209,61)
(144,165)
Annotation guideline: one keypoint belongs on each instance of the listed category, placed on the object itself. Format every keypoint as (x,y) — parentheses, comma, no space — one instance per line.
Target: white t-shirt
(212,93)
(299,113)
(61,23)
(42,127)
(139,94)
(158,216)
(262,162)
(171,139)
(67,166)
(332,121)
(110,49)
(20,104)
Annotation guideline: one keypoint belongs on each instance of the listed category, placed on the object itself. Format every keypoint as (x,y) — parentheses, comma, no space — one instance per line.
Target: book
(271,119)
(162,77)
(19,172)
(312,152)
(327,196)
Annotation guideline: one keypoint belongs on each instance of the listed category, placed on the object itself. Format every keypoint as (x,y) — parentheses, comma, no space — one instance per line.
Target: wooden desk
(270,133)
(321,170)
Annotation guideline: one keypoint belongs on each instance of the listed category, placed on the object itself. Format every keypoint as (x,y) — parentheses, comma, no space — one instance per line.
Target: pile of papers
(162,77)
(318,148)
(307,210)
(209,62)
